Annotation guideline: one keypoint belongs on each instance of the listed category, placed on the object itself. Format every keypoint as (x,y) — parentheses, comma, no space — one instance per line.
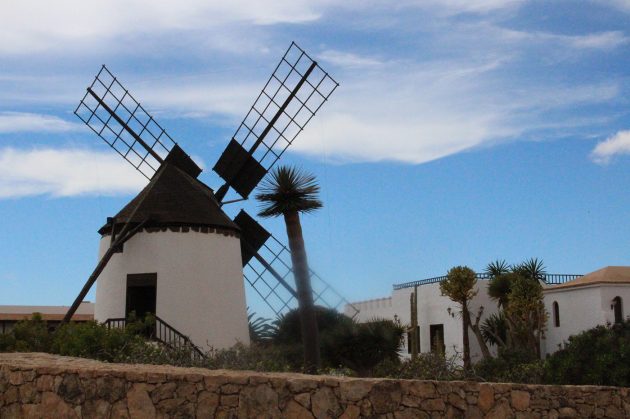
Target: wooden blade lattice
(119,119)
(274,294)
(294,93)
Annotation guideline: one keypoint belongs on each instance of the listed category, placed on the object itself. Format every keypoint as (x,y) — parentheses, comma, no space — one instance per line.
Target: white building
(184,267)
(594,299)
(438,320)
(578,304)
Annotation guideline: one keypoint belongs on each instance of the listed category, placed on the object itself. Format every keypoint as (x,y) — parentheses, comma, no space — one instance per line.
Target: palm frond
(260,328)
(532,268)
(288,189)
(494,329)
(497,267)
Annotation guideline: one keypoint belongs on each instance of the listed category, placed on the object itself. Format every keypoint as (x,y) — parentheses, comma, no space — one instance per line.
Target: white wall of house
(200,290)
(380,308)
(433,309)
(580,308)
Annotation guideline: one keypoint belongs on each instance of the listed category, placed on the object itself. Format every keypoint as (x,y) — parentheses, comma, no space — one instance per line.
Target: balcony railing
(165,334)
(551,279)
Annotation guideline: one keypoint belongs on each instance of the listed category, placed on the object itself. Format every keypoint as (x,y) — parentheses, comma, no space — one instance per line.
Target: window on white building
(437,338)
(618,309)
(556,314)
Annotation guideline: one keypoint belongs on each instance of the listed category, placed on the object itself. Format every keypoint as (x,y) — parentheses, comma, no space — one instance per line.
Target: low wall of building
(41,385)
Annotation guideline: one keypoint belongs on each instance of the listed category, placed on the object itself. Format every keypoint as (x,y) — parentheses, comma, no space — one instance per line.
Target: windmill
(175,201)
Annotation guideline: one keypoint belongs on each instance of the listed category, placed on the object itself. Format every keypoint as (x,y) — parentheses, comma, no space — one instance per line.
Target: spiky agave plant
(261,329)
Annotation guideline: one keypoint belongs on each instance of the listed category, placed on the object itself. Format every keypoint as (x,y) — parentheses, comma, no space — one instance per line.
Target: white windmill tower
(184,267)
(172,251)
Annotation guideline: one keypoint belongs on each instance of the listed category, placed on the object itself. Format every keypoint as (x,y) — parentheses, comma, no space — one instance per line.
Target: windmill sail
(291,97)
(267,269)
(119,119)
(294,93)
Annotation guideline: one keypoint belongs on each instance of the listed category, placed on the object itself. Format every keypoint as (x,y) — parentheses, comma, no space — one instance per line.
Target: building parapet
(551,279)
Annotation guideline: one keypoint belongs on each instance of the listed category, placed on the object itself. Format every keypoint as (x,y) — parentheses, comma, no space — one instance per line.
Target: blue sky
(463,130)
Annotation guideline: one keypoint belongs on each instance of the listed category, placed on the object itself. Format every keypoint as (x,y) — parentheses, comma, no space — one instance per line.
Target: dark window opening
(556,314)
(437,338)
(618,309)
(141,294)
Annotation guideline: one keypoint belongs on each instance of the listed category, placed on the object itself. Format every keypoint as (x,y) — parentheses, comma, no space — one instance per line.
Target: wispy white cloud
(29,26)
(613,146)
(65,172)
(348,59)
(467,6)
(196,97)
(32,122)
(589,41)
(601,40)
(401,105)
(436,110)
(623,5)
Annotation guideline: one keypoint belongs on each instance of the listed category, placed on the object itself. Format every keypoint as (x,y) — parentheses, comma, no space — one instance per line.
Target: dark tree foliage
(599,356)
(344,342)
(288,328)
(511,366)
(27,336)
(363,346)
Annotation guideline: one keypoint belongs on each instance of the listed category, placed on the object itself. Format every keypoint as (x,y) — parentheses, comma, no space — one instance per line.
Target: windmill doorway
(141,294)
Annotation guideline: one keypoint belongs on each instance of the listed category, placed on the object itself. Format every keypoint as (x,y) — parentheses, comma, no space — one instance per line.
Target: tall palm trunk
(465,322)
(308,321)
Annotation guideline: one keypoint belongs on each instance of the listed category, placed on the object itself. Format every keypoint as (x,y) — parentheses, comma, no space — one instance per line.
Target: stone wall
(41,385)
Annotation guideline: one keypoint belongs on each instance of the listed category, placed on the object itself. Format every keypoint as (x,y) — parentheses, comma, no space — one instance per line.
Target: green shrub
(255,357)
(289,330)
(599,356)
(344,343)
(427,366)
(362,346)
(7,342)
(511,366)
(29,335)
(93,340)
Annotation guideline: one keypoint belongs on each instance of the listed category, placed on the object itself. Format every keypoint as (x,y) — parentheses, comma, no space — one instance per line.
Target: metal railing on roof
(552,279)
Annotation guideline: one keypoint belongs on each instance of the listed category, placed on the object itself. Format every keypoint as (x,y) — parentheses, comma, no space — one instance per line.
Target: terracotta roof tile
(607,275)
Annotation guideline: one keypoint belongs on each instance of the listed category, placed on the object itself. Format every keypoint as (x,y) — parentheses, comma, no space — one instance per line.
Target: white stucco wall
(432,309)
(200,289)
(581,308)
(370,309)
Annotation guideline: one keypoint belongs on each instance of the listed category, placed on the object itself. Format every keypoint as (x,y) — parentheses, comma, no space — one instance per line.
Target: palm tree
(532,268)
(288,191)
(497,267)
(459,286)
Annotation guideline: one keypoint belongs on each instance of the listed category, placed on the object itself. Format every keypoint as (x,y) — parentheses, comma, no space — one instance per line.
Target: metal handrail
(552,279)
(165,334)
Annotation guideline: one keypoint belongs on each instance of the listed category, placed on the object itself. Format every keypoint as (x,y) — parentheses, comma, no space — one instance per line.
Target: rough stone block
(486,397)
(139,403)
(295,410)
(354,390)
(519,399)
(325,404)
